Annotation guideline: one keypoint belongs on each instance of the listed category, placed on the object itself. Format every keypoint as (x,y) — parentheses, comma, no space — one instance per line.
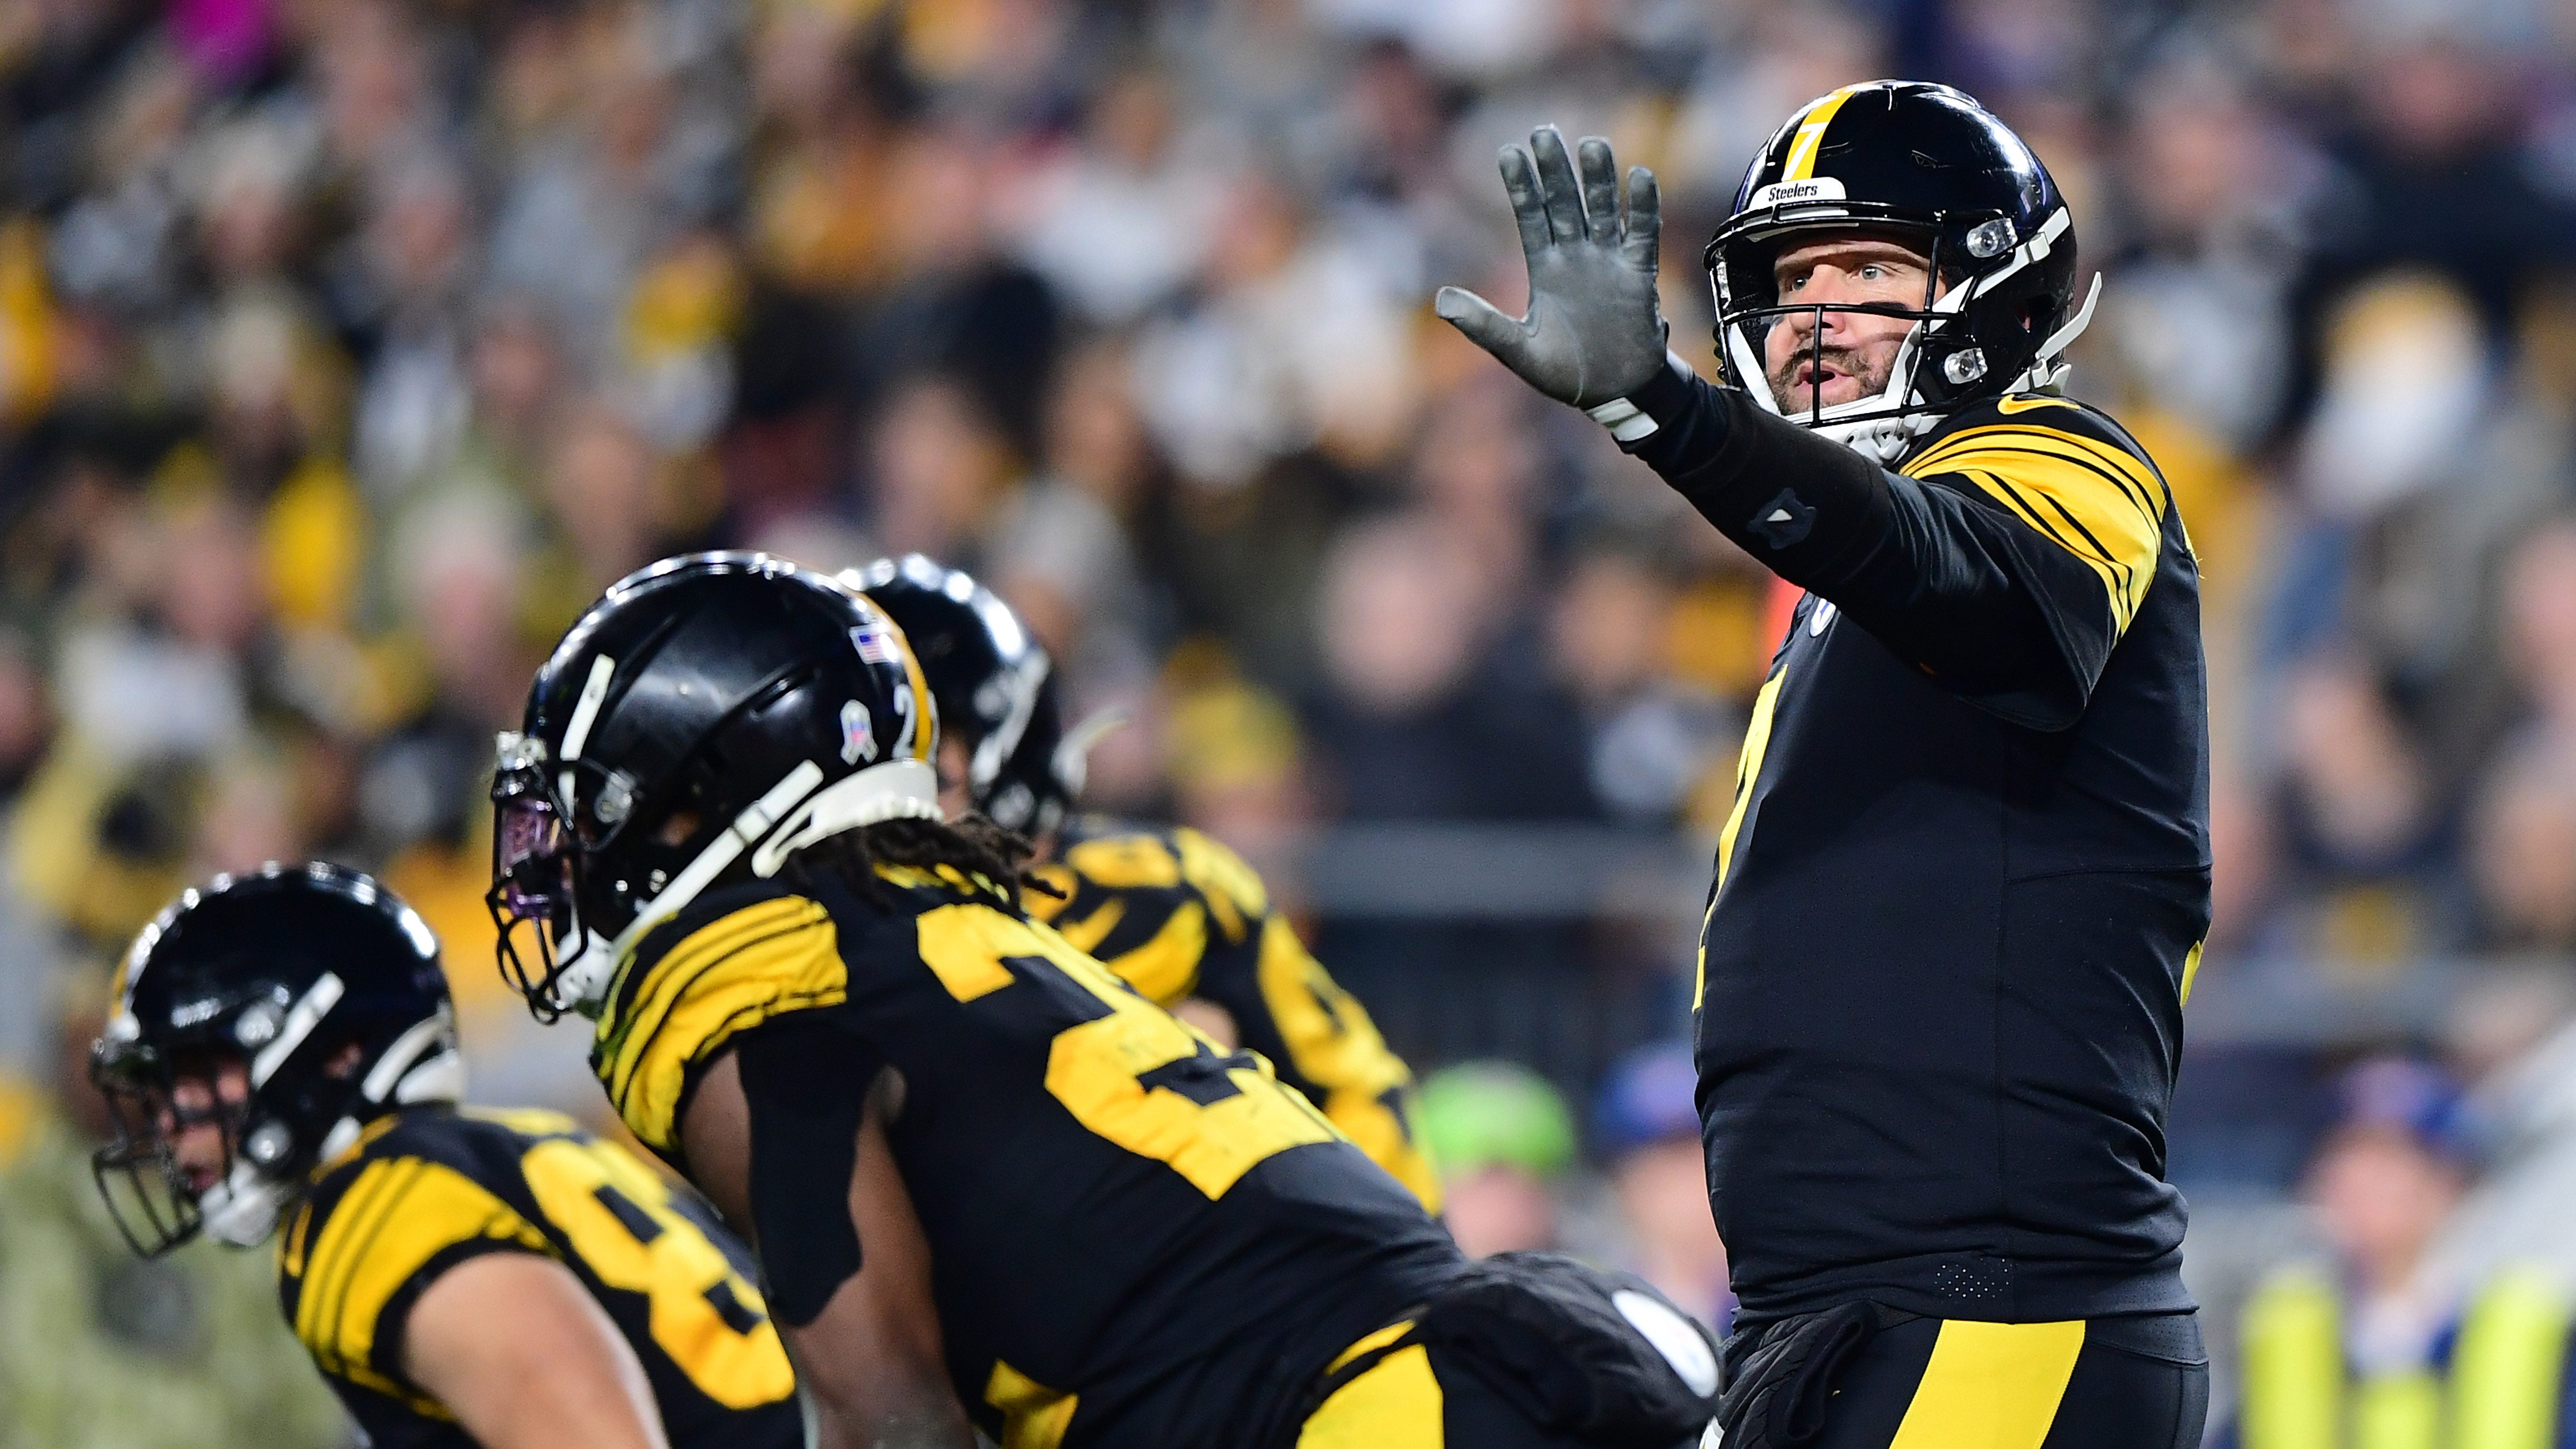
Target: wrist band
(1626,421)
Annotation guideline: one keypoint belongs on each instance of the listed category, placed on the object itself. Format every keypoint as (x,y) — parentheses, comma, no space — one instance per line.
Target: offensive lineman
(282,1060)
(1179,917)
(984,1178)
(1959,897)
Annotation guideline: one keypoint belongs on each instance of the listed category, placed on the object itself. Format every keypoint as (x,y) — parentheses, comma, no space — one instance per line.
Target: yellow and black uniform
(1960,893)
(428,1187)
(1178,915)
(1135,1237)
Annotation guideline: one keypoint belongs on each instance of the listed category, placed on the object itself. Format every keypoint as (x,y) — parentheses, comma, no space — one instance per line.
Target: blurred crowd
(348,348)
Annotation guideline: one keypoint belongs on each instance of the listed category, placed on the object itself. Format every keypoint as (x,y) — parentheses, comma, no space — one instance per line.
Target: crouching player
(1177,915)
(282,1053)
(987,1182)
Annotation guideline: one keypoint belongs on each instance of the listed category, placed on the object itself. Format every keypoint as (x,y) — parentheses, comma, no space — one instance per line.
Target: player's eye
(1872,271)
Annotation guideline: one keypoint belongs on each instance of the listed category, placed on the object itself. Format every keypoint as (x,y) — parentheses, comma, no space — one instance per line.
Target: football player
(1959,897)
(282,1056)
(1178,916)
(985,1179)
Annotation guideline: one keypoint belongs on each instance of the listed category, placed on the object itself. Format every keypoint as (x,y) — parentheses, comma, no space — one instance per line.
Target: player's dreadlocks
(971,845)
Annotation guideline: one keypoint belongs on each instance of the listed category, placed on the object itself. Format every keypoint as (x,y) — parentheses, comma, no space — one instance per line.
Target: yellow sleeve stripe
(398,1215)
(1045,907)
(650,1003)
(1087,932)
(1234,892)
(1166,968)
(2049,517)
(2107,513)
(1334,1046)
(2134,479)
(1126,862)
(762,961)
(2126,468)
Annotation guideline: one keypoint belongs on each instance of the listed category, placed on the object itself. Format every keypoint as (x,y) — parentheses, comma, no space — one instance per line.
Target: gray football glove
(1593,333)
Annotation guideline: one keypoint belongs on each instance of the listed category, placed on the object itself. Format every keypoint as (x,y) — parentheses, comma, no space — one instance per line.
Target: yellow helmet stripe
(1811,135)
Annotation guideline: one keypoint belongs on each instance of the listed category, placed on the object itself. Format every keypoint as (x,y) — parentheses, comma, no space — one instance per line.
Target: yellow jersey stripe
(1233,888)
(1033,1415)
(2084,507)
(1379,1339)
(1067,886)
(2137,492)
(669,979)
(1396,1404)
(1087,933)
(439,1209)
(2134,477)
(1991,1386)
(788,969)
(2038,514)
(1126,862)
(352,1223)
(1810,137)
(1748,768)
(1338,1049)
(1166,968)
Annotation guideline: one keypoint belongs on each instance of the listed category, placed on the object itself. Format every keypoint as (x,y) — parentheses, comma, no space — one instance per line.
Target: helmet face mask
(708,717)
(282,1010)
(139,1175)
(1750,310)
(1924,165)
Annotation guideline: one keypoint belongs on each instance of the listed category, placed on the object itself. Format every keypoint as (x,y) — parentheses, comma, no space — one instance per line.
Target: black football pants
(2112,1383)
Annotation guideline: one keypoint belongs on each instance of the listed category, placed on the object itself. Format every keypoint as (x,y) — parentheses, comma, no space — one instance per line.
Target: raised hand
(1593,333)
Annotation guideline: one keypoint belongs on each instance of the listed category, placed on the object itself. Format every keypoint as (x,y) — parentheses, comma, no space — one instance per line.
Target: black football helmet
(324,989)
(708,717)
(995,686)
(1926,165)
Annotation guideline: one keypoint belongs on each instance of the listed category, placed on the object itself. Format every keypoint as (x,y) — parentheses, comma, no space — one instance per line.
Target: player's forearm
(1939,578)
(1807,508)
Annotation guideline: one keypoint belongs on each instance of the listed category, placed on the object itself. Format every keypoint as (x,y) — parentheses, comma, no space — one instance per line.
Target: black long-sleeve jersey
(1960,893)
(1135,1237)
(428,1187)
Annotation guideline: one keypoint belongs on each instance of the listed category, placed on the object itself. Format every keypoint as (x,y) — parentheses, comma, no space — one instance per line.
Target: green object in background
(101,1350)
(1483,1114)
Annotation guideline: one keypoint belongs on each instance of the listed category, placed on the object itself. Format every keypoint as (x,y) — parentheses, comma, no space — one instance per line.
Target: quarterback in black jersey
(1960,894)
(987,1182)
(1177,915)
(282,1061)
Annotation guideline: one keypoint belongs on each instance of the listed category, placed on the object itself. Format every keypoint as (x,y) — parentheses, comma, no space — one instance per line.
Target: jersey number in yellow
(705,1316)
(1133,1074)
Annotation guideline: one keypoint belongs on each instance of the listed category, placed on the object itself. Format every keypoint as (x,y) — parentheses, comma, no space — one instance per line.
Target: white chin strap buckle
(241,1211)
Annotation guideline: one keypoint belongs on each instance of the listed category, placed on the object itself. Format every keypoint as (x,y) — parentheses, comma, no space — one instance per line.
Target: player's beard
(1797,399)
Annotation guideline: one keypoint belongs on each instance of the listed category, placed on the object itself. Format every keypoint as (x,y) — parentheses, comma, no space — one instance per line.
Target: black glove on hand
(1777,1398)
(1593,334)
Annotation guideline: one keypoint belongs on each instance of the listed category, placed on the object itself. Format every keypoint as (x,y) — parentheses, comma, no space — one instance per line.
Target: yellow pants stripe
(1991,1386)
(1395,1405)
